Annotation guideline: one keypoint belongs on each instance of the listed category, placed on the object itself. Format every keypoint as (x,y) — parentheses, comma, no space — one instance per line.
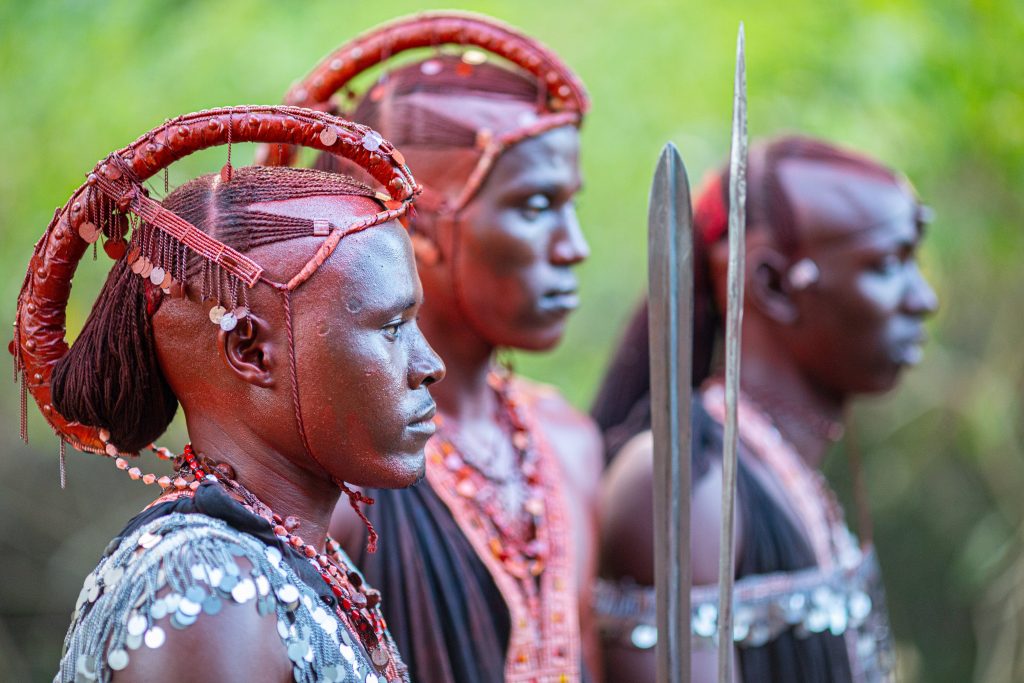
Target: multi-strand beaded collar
(532,570)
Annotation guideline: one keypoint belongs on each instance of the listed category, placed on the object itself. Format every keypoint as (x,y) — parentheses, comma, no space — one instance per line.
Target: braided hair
(111,375)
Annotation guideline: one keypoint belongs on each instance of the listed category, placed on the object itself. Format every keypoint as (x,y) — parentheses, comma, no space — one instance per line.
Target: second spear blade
(733,337)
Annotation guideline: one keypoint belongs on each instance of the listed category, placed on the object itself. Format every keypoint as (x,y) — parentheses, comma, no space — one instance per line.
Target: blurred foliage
(934,87)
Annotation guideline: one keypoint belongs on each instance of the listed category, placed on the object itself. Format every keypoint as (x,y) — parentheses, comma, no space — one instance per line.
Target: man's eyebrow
(865,238)
(395,306)
(405,305)
(541,186)
(533,187)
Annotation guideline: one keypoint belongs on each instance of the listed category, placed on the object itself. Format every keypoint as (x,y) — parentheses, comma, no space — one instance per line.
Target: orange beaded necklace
(533,571)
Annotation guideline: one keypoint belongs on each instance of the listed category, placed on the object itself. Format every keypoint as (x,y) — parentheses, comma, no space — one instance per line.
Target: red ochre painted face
(363,366)
(862,322)
(518,241)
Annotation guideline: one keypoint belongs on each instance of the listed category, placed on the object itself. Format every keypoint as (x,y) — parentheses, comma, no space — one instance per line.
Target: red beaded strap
(432,29)
(40,342)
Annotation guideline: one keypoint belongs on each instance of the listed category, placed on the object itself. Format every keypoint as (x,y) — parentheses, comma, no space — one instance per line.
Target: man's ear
(248,352)
(426,250)
(769,288)
(432,238)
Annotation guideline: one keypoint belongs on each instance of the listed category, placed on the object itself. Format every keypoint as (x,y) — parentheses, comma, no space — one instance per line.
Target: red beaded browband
(565,103)
(113,200)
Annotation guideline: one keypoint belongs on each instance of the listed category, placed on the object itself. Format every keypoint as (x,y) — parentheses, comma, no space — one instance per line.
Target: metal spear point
(670,297)
(733,334)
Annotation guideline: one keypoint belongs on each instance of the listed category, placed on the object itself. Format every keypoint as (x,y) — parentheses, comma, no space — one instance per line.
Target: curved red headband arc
(40,342)
(567,95)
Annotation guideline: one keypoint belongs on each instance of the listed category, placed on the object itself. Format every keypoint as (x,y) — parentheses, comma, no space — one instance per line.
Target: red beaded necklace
(520,548)
(533,569)
(807,494)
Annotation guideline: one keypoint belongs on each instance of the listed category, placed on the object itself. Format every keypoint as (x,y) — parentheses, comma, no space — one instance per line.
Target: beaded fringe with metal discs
(162,264)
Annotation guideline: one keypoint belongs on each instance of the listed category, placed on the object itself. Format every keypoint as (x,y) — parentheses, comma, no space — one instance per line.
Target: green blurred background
(933,87)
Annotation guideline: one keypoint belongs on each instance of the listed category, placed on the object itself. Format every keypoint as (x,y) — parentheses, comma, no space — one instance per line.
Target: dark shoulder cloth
(451,623)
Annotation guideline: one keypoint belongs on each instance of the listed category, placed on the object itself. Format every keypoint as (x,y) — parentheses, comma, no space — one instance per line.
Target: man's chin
(410,470)
(541,339)
(421,473)
(396,471)
(882,382)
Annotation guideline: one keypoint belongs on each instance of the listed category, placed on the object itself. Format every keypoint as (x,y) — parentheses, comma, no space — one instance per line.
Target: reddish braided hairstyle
(110,377)
(106,393)
(768,206)
(621,407)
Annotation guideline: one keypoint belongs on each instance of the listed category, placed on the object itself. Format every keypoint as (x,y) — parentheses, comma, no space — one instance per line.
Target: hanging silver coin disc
(189,608)
(117,659)
(137,625)
(155,637)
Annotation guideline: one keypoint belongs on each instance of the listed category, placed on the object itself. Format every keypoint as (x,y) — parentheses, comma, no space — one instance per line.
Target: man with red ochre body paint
(834,308)
(226,297)
(494,552)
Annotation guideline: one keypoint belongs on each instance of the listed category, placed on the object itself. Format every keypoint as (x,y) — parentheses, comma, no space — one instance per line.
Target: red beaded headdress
(113,201)
(561,98)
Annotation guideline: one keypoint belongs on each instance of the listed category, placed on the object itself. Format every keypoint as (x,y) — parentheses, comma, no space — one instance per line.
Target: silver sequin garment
(848,602)
(180,567)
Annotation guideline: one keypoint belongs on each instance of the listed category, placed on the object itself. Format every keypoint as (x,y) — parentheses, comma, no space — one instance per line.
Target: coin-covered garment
(185,560)
(849,601)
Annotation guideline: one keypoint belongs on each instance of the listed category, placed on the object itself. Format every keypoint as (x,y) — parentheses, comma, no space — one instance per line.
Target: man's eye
(536,204)
(392,329)
(887,265)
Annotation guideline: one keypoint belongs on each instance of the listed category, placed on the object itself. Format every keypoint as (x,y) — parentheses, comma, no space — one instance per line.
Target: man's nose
(425,366)
(920,299)
(569,247)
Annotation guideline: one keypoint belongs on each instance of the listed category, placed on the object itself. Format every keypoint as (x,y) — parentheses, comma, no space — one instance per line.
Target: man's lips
(911,347)
(424,419)
(566,299)
(916,334)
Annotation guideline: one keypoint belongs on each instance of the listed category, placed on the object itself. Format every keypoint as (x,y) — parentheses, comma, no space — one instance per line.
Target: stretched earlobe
(426,250)
(247,351)
(770,287)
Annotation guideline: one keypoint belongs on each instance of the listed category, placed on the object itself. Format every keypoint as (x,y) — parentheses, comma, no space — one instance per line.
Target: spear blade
(733,339)
(670,293)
